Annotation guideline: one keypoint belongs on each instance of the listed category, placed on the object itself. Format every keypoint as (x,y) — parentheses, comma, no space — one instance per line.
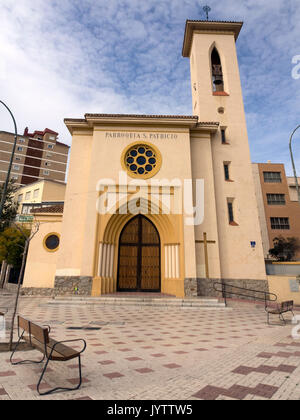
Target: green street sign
(24,218)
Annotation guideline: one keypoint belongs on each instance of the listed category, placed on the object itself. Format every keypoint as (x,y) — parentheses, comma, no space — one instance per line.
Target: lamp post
(4,193)
(293,163)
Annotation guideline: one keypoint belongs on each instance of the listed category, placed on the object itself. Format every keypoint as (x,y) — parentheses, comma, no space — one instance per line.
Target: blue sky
(64,58)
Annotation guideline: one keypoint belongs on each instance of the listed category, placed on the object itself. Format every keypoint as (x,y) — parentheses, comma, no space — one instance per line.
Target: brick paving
(142,353)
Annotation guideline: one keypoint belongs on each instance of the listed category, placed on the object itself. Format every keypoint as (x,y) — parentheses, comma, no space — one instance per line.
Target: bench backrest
(36,331)
(287,305)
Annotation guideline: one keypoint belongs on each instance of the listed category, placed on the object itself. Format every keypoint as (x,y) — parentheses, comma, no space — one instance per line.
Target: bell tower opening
(217,72)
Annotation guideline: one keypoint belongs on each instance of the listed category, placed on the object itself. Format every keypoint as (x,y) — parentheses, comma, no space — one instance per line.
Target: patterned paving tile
(7,373)
(236,391)
(230,354)
(43,387)
(74,381)
(113,375)
(133,359)
(144,370)
(172,366)
(158,355)
(106,362)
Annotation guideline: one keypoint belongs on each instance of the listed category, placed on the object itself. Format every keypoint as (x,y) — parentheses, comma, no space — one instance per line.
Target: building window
(46,172)
(280,223)
(21,140)
(36,193)
(223,134)
(20,198)
(272,177)
(28,195)
(16,167)
(47,164)
(15,178)
(50,146)
(226,171)
(18,158)
(230,212)
(51,242)
(20,149)
(276,199)
(52,137)
(48,155)
(141,160)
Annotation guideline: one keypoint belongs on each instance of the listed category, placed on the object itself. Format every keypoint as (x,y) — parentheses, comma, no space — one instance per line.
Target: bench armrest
(70,341)
(49,328)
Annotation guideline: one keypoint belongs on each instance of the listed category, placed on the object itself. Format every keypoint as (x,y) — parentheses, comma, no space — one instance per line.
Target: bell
(218,80)
(217,74)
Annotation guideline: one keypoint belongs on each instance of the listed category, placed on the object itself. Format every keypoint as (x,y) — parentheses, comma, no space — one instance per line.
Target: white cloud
(63,58)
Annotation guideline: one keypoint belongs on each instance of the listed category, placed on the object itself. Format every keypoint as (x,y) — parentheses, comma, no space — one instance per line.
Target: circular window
(51,242)
(141,160)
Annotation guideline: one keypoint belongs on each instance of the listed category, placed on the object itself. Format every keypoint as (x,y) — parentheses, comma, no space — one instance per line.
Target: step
(134,298)
(142,301)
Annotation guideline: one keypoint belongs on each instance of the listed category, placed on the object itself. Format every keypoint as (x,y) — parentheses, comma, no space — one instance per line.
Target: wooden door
(139,257)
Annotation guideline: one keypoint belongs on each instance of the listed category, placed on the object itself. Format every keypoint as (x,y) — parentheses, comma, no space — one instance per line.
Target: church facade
(159,203)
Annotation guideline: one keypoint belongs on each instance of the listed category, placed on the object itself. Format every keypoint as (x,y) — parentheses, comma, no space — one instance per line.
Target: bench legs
(23,362)
(59,388)
(281,318)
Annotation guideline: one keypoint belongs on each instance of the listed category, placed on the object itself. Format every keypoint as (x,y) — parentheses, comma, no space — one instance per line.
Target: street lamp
(293,163)
(10,163)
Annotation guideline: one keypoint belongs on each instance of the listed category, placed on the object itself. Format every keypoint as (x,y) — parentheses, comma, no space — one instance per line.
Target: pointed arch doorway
(139,259)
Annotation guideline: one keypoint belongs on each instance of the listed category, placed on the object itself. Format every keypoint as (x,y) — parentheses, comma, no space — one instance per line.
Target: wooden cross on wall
(206,242)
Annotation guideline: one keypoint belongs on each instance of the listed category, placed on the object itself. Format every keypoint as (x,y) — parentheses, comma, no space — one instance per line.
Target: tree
(285,249)
(12,243)
(10,206)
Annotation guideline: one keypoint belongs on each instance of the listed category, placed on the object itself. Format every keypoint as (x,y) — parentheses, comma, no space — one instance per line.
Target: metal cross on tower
(207,9)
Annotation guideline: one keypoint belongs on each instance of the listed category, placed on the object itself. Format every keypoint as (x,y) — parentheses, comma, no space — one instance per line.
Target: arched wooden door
(139,257)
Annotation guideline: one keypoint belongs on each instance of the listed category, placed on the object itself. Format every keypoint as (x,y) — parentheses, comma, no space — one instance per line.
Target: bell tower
(215,76)
(217,97)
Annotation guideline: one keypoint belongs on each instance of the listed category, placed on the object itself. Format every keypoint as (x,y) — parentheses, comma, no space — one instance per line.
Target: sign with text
(24,218)
(110,135)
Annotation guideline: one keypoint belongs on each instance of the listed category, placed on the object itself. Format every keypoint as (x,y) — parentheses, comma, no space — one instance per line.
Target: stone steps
(140,301)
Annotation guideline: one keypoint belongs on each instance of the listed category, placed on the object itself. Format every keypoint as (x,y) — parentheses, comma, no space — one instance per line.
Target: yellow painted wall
(73,239)
(281,287)
(41,264)
(237,259)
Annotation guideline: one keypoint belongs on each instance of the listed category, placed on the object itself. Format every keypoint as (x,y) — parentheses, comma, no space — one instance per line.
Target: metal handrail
(272,296)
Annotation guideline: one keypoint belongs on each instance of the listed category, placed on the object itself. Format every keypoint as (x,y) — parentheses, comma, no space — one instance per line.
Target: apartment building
(44,193)
(38,155)
(278,205)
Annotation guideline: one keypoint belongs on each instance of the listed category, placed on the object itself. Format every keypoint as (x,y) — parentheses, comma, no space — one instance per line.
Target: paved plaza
(142,353)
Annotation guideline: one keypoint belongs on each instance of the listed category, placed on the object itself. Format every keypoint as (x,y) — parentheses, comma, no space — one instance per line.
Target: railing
(224,289)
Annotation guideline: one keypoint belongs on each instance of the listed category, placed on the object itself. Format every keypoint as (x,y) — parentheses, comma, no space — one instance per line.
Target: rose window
(142,160)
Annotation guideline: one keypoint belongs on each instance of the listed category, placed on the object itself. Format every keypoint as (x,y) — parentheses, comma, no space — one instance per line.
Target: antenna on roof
(207,9)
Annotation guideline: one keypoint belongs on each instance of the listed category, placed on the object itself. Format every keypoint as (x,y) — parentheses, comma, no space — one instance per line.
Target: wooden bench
(38,337)
(280,309)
